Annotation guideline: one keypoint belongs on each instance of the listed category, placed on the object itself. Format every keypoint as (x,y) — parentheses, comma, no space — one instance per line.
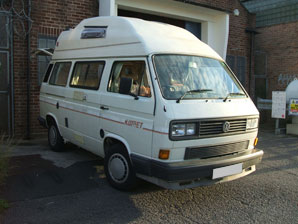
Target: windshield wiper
(233,94)
(193,91)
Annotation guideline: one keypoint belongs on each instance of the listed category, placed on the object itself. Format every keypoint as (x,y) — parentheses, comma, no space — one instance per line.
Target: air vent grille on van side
(210,128)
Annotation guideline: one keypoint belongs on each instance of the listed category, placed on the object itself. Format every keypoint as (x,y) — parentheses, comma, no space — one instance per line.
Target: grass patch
(6,145)
(5,148)
(3,205)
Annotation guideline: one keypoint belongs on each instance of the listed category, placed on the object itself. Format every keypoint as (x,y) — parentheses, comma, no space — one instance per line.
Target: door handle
(57,105)
(104,108)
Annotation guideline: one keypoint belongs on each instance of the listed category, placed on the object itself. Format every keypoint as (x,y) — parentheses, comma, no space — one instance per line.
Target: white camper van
(153,100)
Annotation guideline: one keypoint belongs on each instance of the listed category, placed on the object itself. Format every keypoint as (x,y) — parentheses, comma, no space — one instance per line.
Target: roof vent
(90,32)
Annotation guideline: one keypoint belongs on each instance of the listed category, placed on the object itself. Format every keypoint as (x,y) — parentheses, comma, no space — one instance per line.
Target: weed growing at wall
(5,148)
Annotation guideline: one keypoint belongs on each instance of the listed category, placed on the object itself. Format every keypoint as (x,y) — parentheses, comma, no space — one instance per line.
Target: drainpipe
(252,32)
(28,70)
(12,76)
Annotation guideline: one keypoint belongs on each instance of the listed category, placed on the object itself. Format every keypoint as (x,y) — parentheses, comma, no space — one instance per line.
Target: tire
(54,138)
(118,168)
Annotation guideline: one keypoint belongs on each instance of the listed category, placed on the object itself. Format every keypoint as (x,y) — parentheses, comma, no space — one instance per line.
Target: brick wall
(220,4)
(20,71)
(49,17)
(280,46)
(240,41)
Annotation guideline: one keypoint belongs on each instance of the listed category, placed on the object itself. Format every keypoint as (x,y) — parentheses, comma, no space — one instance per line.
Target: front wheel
(55,139)
(118,168)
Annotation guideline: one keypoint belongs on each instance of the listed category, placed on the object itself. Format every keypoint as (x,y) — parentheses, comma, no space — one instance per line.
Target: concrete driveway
(70,187)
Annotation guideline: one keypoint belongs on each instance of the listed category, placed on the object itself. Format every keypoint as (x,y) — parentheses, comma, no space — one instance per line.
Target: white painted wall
(107,8)
(216,34)
(215,24)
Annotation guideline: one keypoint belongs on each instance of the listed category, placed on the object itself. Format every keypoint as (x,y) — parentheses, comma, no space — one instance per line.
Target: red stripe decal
(158,132)
(118,122)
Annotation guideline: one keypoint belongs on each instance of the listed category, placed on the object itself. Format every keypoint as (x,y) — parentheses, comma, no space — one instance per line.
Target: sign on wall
(293,107)
(279,104)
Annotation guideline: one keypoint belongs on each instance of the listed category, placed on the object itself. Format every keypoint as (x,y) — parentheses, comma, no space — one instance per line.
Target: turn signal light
(164,154)
(256,141)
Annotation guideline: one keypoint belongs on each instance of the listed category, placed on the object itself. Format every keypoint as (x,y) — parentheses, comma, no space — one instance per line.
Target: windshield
(193,77)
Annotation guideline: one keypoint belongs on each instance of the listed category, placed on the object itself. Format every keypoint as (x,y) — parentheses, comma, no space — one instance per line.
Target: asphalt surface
(70,187)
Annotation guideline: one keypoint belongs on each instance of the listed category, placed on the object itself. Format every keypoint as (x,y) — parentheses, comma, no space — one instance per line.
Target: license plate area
(227,171)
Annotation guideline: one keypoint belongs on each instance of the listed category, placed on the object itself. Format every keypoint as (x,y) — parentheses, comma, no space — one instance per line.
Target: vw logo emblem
(226,127)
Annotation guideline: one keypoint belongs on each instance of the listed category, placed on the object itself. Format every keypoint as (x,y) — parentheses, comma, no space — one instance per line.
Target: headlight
(252,123)
(178,130)
(190,129)
(183,129)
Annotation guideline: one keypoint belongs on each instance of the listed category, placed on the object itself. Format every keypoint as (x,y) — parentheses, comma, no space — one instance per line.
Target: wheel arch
(112,139)
(51,117)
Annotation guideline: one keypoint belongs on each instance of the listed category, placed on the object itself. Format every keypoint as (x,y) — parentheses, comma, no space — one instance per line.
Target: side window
(46,77)
(43,61)
(136,70)
(87,75)
(60,73)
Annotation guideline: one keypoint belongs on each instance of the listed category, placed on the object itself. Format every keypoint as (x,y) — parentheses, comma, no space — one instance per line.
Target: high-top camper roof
(115,36)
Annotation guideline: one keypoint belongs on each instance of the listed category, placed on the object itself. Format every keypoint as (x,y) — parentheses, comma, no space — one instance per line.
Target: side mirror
(125,85)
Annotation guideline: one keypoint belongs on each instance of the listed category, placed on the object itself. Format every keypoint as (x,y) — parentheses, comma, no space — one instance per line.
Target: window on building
(3,31)
(260,63)
(134,70)
(43,61)
(238,65)
(87,75)
(241,69)
(260,87)
(231,62)
(60,73)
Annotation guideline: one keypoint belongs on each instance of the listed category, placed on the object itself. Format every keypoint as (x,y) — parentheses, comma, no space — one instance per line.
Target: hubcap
(118,168)
(53,136)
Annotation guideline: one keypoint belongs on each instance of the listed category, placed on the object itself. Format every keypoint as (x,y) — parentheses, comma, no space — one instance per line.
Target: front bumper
(194,170)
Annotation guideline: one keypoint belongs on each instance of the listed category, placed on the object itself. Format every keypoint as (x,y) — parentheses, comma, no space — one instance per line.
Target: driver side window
(135,70)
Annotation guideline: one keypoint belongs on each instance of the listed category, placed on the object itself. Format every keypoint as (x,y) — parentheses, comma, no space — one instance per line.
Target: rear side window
(46,77)
(87,75)
(60,73)
(135,70)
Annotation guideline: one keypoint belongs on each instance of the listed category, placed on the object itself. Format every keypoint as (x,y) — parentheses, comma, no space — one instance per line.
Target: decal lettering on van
(79,138)
(77,95)
(135,124)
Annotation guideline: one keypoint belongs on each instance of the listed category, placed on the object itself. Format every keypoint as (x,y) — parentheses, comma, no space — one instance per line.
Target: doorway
(194,28)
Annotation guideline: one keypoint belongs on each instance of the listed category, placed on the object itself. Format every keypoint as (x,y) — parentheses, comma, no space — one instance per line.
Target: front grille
(210,128)
(214,127)
(213,151)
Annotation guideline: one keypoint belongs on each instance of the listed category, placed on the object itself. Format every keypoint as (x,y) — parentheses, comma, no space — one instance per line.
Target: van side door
(82,117)
(129,115)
